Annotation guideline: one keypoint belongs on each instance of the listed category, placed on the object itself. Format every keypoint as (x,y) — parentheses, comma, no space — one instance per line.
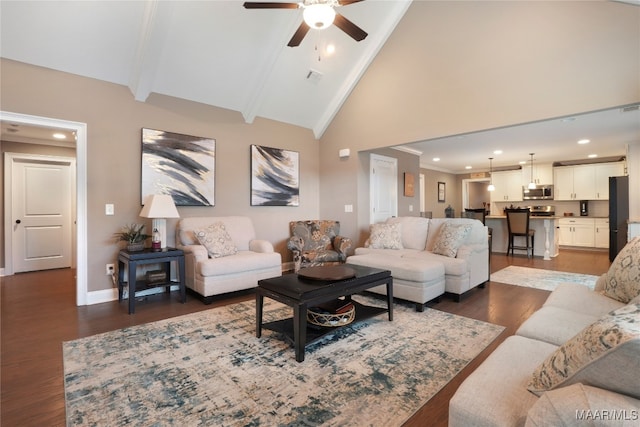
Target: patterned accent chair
(317,242)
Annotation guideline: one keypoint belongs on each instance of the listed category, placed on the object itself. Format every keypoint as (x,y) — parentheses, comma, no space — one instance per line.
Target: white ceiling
(221,54)
(212,52)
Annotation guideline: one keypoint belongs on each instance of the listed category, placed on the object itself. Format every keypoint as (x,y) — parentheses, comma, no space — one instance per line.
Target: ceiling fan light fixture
(319,16)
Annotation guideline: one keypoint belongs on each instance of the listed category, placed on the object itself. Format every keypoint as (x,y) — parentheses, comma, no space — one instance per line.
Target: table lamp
(158,207)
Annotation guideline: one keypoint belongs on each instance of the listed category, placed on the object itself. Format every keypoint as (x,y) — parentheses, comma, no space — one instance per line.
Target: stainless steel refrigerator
(618,214)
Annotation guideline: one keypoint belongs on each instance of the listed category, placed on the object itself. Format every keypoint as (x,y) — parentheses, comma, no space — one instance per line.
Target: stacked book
(338,306)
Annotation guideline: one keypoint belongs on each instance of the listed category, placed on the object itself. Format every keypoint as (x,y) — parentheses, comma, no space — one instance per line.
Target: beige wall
(114,122)
(456,67)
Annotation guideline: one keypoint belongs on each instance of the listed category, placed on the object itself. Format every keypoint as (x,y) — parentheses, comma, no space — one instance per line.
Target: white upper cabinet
(585,182)
(542,174)
(603,171)
(508,186)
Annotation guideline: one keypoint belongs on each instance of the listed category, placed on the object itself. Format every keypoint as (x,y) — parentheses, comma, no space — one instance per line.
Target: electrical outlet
(111,268)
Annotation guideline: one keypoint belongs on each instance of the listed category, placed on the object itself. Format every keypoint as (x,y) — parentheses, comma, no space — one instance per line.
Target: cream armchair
(317,242)
(233,265)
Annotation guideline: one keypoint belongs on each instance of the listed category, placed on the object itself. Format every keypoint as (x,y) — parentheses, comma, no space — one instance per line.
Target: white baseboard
(108,295)
(1,272)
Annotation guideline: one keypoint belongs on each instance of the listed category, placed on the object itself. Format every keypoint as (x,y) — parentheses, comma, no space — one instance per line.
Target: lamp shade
(159,206)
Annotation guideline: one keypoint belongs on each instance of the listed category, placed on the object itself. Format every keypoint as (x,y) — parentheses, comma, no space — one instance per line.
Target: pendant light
(532,184)
(491,187)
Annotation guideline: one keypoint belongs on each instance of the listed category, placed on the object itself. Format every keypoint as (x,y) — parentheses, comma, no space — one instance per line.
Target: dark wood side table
(148,256)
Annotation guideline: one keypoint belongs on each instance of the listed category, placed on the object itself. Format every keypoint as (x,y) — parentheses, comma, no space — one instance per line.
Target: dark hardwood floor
(38,313)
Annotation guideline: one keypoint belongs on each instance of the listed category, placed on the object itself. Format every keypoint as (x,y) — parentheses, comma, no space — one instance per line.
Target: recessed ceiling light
(497,152)
(584,141)
(592,156)
(522,162)
(436,159)
(330,50)
(568,119)
(59,136)
(468,167)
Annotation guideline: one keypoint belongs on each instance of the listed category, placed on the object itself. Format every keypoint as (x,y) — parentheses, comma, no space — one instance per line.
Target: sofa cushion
(495,394)
(414,231)
(386,236)
(579,404)
(604,354)
(452,266)
(555,325)
(401,268)
(240,263)
(450,239)
(622,281)
(216,239)
(580,299)
(240,228)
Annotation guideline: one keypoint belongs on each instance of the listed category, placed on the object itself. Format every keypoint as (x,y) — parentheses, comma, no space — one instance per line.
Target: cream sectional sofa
(576,361)
(233,258)
(411,248)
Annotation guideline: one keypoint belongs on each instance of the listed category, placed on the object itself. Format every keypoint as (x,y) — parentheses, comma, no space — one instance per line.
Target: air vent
(630,108)
(314,76)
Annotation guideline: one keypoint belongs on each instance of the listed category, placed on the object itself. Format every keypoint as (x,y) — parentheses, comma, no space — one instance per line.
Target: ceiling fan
(317,14)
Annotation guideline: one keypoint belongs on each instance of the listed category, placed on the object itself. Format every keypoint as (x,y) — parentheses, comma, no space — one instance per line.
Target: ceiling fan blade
(269,5)
(350,28)
(302,31)
(348,2)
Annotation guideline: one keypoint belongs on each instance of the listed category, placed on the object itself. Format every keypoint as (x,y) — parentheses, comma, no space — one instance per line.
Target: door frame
(80,130)
(9,161)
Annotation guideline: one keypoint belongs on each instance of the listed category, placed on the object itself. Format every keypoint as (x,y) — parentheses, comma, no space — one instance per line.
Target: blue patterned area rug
(540,279)
(209,369)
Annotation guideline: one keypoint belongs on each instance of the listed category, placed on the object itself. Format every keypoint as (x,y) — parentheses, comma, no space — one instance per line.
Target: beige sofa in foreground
(427,257)
(222,254)
(574,362)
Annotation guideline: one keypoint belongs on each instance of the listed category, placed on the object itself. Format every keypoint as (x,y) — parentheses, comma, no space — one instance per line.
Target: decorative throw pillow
(386,236)
(450,239)
(604,354)
(216,239)
(622,282)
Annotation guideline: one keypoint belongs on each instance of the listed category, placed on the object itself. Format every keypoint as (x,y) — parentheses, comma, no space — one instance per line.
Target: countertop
(549,217)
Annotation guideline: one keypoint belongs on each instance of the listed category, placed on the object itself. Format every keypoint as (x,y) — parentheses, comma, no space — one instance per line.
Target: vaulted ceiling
(221,54)
(212,52)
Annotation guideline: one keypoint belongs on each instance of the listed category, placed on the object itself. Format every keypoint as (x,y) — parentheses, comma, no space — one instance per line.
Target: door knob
(18,221)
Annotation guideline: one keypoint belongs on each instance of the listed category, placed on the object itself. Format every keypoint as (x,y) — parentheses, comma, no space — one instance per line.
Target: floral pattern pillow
(450,238)
(622,281)
(584,356)
(216,239)
(386,236)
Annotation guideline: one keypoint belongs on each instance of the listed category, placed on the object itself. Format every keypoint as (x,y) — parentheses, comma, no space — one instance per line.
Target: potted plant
(134,236)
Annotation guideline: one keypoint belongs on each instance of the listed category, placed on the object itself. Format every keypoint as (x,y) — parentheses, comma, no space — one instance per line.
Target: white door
(41,212)
(383,179)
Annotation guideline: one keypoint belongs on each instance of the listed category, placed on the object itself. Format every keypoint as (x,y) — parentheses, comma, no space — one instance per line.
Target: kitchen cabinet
(508,186)
(602,233)
(542,174)
(577,232)
(602,173)
(585,182)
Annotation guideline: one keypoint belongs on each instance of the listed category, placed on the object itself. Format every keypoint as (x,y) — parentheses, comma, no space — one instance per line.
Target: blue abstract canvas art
(182,166)
(274,177)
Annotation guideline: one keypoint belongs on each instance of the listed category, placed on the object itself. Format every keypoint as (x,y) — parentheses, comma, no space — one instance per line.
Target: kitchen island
(545,241)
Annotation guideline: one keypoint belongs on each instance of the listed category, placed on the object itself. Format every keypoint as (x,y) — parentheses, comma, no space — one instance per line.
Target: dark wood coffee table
(301,293)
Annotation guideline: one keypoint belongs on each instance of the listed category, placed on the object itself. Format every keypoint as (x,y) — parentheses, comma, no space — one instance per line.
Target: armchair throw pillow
(216,239)
(604,354)
(386,236)
(450,239)
(622,281)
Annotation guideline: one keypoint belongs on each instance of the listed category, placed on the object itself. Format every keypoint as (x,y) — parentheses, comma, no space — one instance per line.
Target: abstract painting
(274,177)
(182,166)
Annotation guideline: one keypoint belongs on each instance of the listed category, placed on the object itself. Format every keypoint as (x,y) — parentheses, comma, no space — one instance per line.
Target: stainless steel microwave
(541,192)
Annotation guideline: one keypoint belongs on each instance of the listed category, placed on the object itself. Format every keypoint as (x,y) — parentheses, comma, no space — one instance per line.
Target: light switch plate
(109,209)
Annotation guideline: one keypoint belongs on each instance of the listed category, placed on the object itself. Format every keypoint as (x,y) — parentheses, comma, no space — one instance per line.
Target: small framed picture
(408,185)
(441,192)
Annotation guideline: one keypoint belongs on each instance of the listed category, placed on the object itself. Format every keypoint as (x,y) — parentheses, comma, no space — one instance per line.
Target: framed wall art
(441,192)
(182,166)
(409,186)
(275,175)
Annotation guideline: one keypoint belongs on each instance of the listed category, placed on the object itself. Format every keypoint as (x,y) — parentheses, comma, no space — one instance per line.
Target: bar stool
(518,226)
